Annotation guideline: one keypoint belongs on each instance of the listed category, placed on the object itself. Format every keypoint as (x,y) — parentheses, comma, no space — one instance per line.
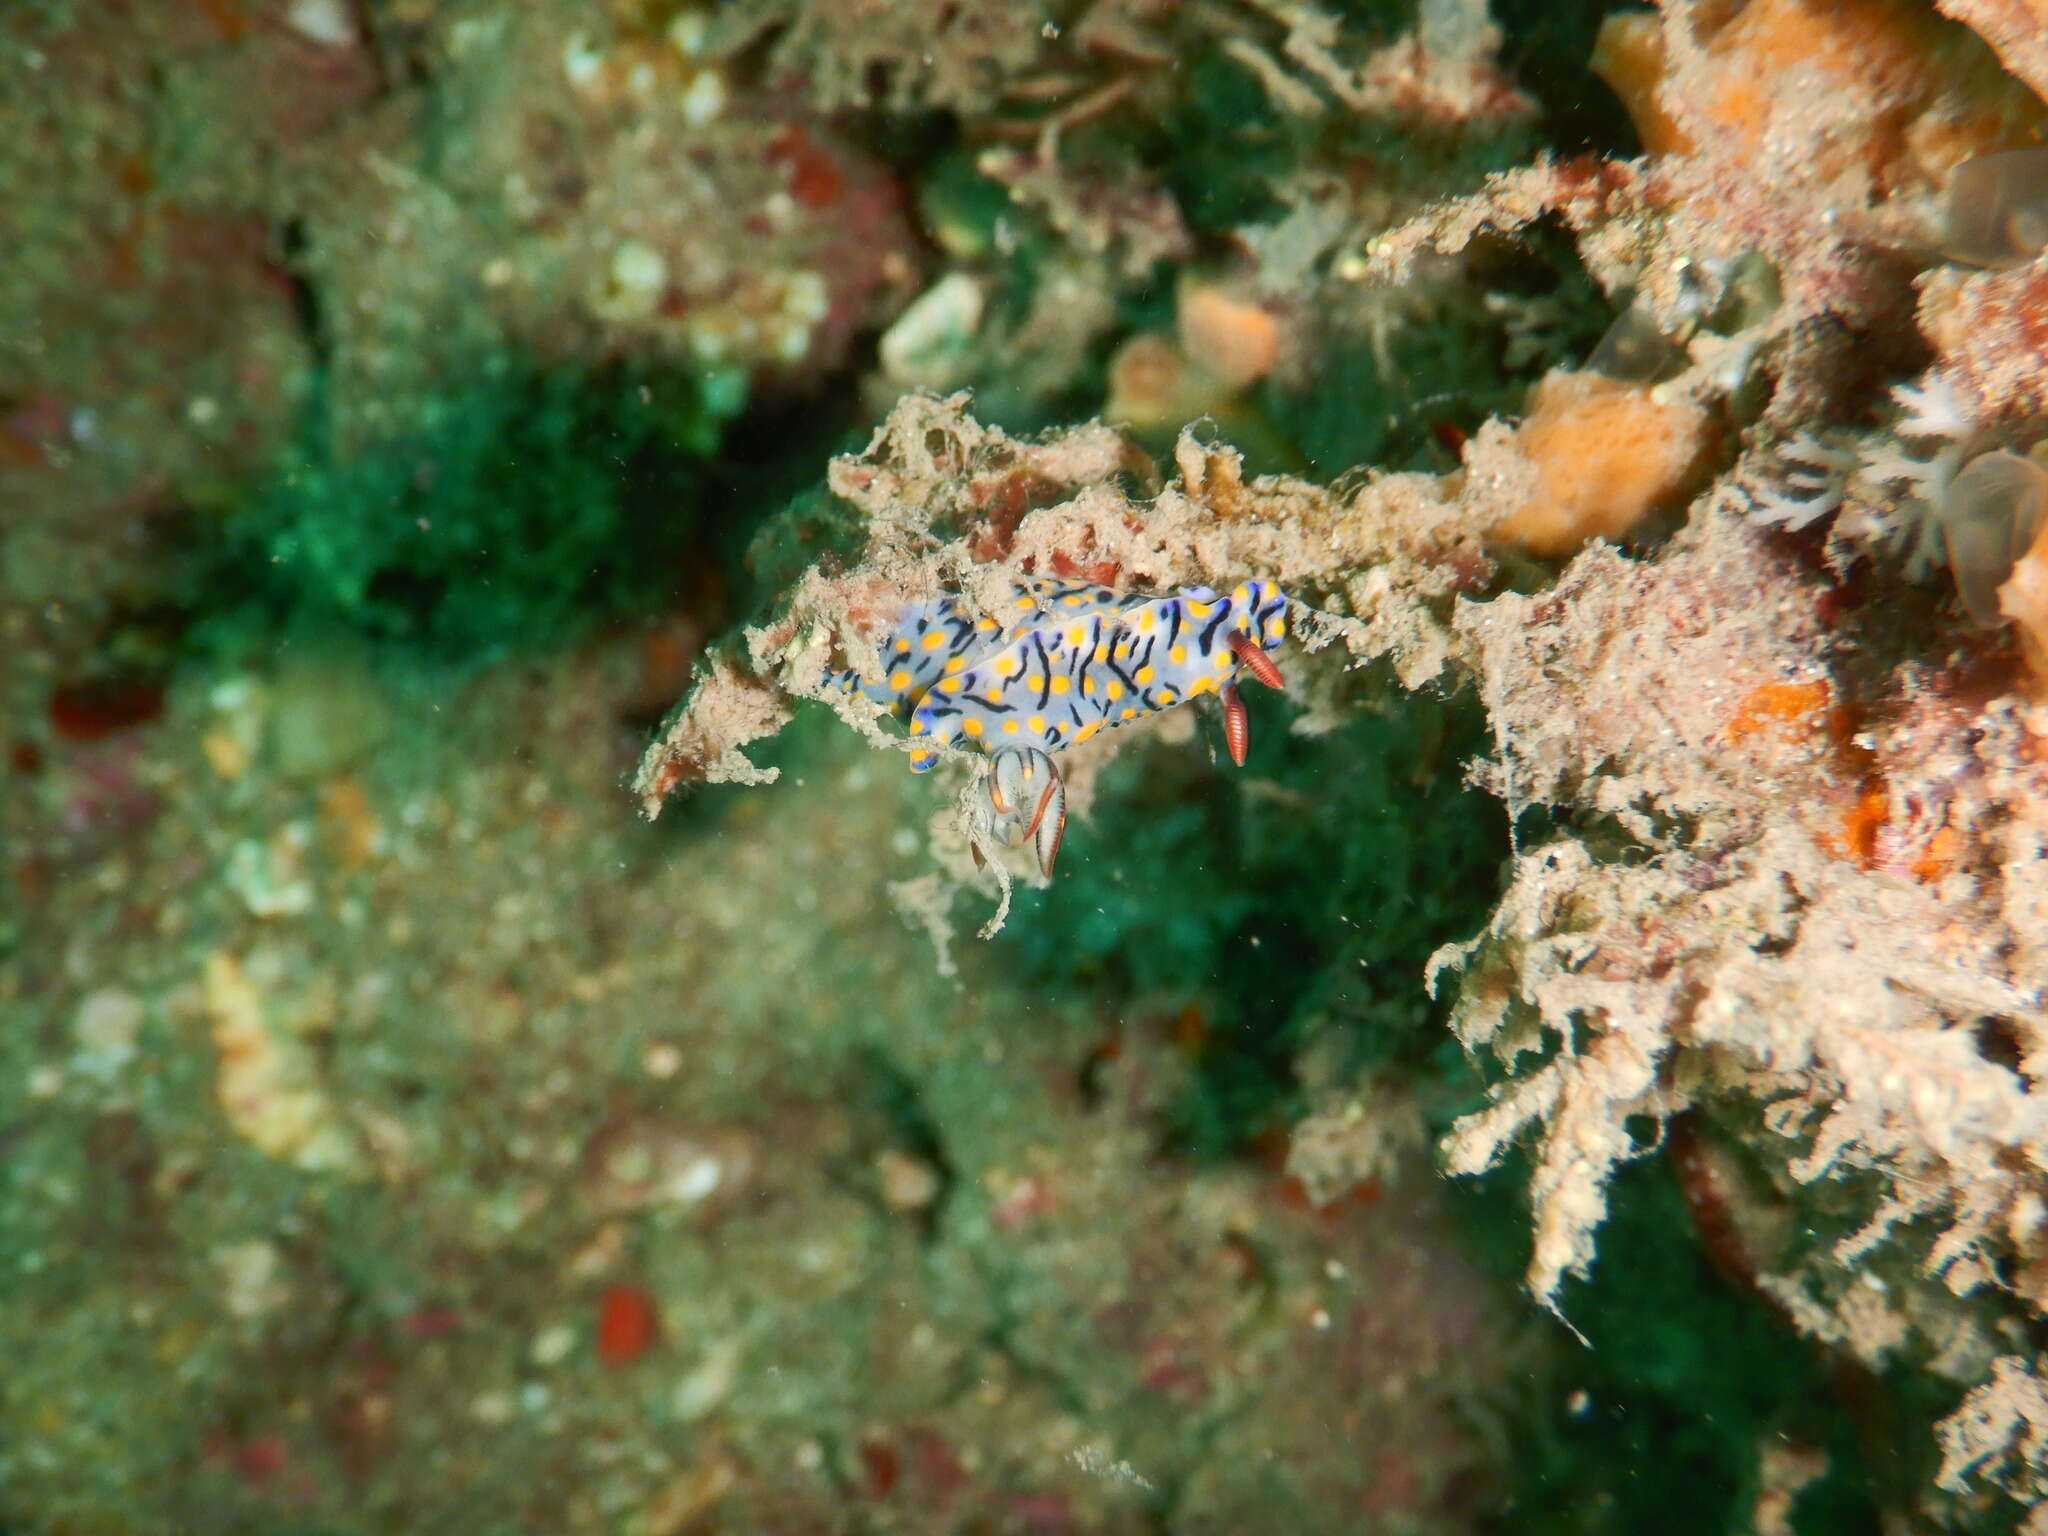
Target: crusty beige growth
(1807,923)
(725,711)
(1990,333)
(2001,1434)
(2017,30)
(954,505)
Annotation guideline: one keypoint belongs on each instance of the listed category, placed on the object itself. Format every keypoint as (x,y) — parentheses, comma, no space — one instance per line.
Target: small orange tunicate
(1995,213)
(1235,338)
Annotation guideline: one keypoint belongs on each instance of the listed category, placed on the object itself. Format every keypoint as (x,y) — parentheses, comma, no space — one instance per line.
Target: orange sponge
(1606,454)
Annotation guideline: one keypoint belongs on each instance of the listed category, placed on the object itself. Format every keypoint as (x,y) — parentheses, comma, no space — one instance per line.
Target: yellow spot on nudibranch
(1129,712)
(1026,602)
(1088,730)
(934,640)
(1006,666)
(1009,727)
(955,664)
(1242,595)
(919,757)
(1087,685)
(971,726)
(952,684)
(1073,599)
(1078,635)
(1145,619)
(1115,689)
(1037,724)
(1061,684)
(902,642)
(917,727)
(995,693)
(1277,630)
(984,624)
(1035,681)
(1167,696)
(1179,653)
(1145,674)
(1224,660)
(1197,609)
(900,678)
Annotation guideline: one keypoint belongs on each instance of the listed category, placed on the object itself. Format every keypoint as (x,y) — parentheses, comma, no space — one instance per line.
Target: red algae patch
(627,1324)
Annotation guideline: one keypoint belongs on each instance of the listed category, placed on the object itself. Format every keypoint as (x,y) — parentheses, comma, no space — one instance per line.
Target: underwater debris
(1071,660)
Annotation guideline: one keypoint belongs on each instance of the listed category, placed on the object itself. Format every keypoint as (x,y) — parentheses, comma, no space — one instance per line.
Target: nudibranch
(1064,661)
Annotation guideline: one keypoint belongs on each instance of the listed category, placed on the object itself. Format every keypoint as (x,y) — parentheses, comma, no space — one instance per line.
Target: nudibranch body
(1063,662)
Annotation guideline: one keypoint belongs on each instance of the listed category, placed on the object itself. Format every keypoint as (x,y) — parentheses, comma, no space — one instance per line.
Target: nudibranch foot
(1029,800)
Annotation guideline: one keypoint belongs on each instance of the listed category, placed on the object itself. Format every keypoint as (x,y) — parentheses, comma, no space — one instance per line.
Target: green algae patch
(1689,1399)
(1294,907)
(512,510)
